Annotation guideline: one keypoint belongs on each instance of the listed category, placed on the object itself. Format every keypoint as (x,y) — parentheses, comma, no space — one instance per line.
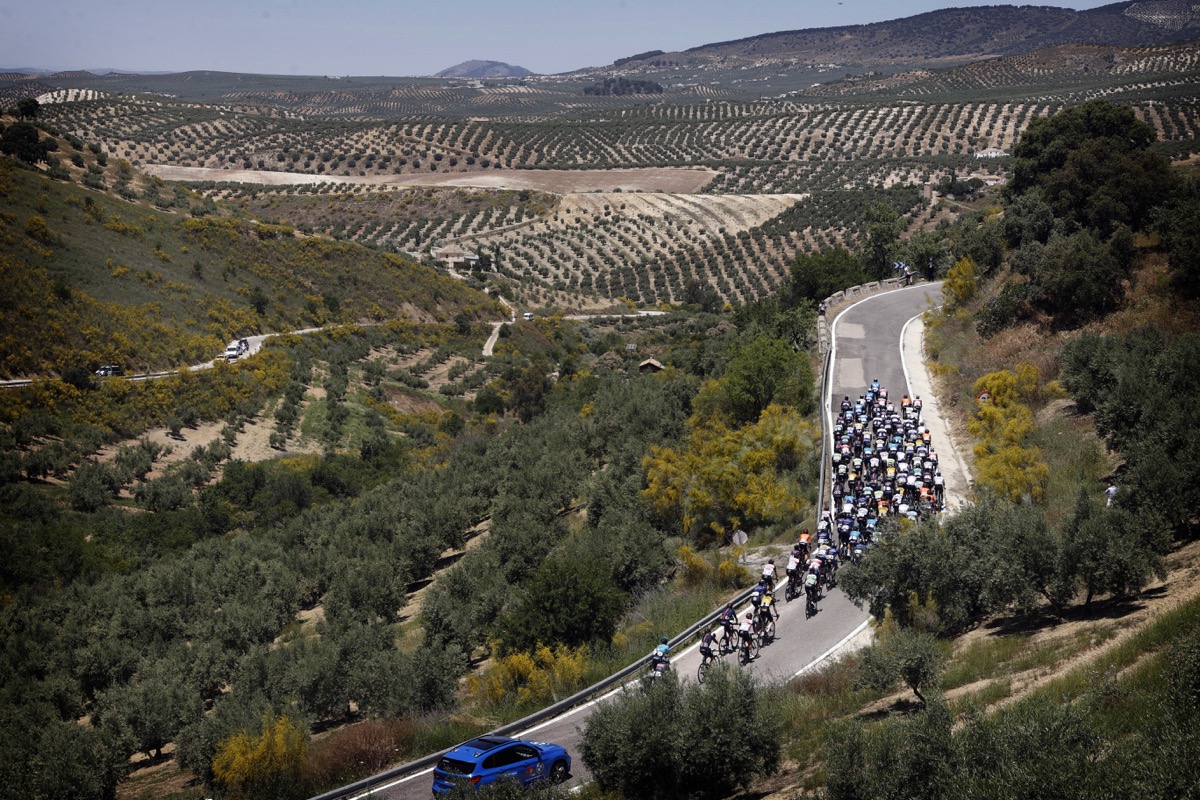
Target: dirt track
(656,179)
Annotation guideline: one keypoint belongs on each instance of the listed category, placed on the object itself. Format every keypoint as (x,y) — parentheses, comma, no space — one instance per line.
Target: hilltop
(945,36)
(484,69)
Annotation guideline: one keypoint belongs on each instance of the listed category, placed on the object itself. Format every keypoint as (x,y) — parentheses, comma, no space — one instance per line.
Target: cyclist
(811,590)
(760,590)
(746,629)
(659,654)
(728,617)
(767,609)
(831,560)
(793,564)
(707,643)
(756,594)
(768,573)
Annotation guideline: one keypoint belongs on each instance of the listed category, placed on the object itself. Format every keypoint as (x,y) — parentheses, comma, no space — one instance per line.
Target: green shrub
(680,739)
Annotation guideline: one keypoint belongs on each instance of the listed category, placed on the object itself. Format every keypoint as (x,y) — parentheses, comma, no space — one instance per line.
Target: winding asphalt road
(866,340)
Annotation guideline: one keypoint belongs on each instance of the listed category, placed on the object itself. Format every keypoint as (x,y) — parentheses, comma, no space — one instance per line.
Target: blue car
(481,761)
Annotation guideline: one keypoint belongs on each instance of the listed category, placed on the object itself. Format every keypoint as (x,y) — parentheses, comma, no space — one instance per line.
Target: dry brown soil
(677,180)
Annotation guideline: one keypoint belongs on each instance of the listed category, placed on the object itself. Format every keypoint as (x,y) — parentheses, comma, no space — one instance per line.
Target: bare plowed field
(657,179)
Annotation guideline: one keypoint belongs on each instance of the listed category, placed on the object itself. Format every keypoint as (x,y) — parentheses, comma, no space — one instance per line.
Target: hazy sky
(399,37)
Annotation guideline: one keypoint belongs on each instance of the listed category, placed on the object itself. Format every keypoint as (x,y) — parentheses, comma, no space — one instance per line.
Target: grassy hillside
(91,278)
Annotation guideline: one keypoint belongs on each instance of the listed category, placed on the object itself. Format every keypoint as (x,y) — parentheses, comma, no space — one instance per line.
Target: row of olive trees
(996,555)
(506,587)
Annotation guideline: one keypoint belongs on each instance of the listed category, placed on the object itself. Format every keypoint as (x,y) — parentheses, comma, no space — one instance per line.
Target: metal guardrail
(141,376)
(369,783)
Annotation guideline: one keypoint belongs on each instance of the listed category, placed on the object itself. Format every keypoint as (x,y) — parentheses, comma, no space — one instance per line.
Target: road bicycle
(748,649)
(792,591)
(728,640)
(764,627)
(705,663)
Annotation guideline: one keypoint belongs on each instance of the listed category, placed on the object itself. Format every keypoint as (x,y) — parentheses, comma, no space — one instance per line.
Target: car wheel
(558,773)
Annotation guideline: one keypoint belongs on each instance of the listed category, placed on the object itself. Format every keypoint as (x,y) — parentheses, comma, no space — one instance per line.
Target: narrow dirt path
(490,345)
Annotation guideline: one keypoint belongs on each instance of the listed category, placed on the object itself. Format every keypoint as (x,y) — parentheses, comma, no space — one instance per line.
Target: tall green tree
(1081,276)
(882,227)
(568,601)
(28,107)
(764,371)
(1134,384)
(21,141)
(1093,166)
(1111,550)
(1179,225)
(149,712)
(817,275)
(903,655)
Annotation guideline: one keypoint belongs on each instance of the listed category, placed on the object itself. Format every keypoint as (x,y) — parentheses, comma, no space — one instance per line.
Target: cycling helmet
(770,561)
(729,604)
(663,640)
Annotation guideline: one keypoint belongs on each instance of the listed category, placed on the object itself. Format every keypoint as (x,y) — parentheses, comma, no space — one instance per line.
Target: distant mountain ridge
(91,71)
(484,69)
(952,35)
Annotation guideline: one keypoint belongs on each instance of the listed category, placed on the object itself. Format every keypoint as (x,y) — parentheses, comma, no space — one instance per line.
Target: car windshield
(455,766)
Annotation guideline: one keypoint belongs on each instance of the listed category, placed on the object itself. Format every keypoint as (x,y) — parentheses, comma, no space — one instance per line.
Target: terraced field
(767,178)
(636,244)
(579,248)
(767,147)
(656,247)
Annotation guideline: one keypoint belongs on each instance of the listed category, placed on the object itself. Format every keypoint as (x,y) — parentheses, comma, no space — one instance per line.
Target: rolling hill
(951,35)
(484,69)
(91,278)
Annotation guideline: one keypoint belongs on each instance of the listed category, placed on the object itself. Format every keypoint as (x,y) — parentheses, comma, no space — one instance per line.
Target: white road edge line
(833,649)
(903,360)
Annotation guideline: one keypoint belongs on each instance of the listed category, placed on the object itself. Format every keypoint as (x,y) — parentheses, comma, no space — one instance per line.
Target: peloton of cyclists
(884,464)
